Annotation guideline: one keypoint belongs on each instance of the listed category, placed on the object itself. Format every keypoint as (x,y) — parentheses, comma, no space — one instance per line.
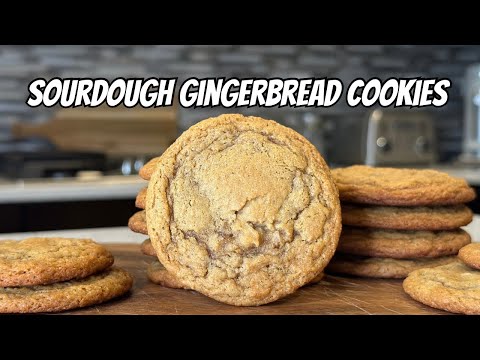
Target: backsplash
(20,64)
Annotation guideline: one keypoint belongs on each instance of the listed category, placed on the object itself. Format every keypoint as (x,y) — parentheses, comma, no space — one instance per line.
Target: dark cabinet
(65,215)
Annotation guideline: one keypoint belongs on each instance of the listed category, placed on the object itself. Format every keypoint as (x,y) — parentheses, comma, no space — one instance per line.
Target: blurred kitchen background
(76,168)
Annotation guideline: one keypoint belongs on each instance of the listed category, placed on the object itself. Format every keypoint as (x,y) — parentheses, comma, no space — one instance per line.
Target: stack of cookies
(454,287)
(56,274)
(399,220)
(241,209)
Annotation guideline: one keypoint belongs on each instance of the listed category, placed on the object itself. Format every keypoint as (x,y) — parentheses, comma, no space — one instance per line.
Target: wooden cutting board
(334,295)
(114,131)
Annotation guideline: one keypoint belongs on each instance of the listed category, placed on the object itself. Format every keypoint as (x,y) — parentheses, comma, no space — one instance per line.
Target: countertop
(70,189)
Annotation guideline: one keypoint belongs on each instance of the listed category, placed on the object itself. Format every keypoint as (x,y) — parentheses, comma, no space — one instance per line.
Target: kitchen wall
(20,64)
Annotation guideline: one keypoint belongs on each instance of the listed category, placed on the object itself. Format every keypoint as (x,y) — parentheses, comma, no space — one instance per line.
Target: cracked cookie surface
(454,287)
(377,267)
(66,295)
(243,210)
(37,261)
(401,244)
(157,274)
(470,255)
(406,218)
(400,187)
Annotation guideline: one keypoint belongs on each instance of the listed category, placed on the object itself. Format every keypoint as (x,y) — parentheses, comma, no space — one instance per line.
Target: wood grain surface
(334,295)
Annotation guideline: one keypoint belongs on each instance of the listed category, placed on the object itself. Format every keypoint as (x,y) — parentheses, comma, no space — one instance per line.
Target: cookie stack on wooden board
(241,209)
(454,287)
(399,220)
(56,274)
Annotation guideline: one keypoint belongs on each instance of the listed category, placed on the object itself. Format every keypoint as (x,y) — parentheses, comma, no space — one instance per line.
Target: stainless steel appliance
(385,138)
(471,128)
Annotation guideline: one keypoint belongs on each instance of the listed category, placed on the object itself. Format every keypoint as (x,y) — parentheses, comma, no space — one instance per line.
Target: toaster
(385,137)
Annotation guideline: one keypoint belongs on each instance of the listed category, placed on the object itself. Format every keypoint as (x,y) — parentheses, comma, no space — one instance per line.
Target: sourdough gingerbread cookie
(157,274)
(147,248)
(39,261)
(399,244)
(141,198)
(406,218)
(454,287)
(377,267)
(147,170)
(400,187)
(243,210)
(470,255)
(66,295)
(138,222)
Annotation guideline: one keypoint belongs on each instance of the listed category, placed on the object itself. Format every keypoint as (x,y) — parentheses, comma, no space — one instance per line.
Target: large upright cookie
(243,210)
(454,287)
(470,255)
(157,274)
(38,261)
(316,279)
(400,187)
(66,295)
(399,244)
(386,268)
(406,218)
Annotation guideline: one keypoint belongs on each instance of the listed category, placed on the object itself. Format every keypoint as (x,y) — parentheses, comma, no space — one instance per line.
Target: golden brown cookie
(470,255)
(147,170)
(157,274)
(141,198)
(400,187)
(66,295)
(138,222)
(406,218)
(39,261)
(316,279)
(400,244)
(454,287)
(147,248)
(243,210)
(386,268)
